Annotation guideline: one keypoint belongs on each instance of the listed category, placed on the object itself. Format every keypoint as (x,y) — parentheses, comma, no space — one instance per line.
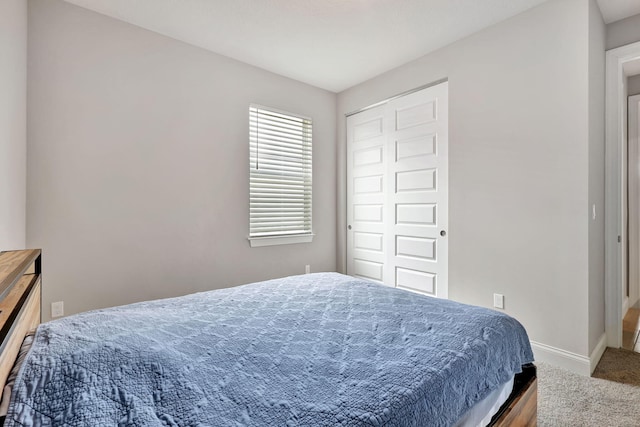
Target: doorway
(621,63)
(631,302)
(397,192)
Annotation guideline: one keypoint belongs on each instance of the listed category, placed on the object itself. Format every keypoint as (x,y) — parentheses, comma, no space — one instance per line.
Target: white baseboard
(570,361)
(597,353)
(562,358)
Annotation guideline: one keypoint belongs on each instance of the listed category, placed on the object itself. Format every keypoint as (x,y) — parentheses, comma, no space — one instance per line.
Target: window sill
(257,242)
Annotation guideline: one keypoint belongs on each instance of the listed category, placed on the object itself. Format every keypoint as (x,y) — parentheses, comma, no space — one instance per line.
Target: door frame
(633,200)
(615,203)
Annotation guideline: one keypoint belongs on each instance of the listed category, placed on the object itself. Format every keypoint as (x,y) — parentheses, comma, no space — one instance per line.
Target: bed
(315,350)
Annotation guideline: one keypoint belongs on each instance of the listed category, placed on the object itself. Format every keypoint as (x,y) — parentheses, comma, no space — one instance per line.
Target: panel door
(418,191)
(397,195)
(366,194)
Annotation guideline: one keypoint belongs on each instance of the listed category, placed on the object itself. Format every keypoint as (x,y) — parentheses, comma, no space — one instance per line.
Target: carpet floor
(610,398)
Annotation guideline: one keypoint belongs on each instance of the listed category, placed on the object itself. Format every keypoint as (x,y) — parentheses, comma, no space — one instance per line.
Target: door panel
(366,181)
(416,248)
(418,149)
(417,214)
(397,196)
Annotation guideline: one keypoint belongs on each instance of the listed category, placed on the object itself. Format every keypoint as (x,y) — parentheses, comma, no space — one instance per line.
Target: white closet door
(366,193)
(405,194)
(417,191)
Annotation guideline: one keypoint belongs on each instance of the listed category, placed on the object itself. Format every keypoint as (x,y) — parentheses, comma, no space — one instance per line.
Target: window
(280,177)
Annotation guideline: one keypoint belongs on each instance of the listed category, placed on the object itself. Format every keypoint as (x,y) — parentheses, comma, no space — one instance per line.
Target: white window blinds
(280,174)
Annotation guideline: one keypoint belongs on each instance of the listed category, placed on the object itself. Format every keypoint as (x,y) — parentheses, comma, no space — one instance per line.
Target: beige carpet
(568,399)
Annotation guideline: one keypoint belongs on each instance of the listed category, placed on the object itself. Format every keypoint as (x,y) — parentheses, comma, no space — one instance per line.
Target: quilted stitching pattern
(321,349)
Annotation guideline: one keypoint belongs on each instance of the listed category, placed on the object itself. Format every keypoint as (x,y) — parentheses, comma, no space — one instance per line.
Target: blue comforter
(314,350)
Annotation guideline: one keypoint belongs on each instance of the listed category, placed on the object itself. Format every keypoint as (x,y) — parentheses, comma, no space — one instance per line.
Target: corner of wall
(596,179)
(13,123)
(341,190)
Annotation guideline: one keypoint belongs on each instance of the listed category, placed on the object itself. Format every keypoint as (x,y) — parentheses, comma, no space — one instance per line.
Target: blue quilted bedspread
(314,350)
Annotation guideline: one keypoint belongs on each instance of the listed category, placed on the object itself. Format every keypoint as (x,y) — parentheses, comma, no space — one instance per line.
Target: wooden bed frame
(20,304)
(521,409)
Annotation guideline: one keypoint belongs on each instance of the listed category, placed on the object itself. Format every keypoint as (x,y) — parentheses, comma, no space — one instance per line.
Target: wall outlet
(498,301)
(307,269)
(57,309)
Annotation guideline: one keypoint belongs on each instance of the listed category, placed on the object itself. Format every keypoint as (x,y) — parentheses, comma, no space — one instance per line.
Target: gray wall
(518,165)
(138,163)
(13,123)
(633,85)
(597,35)
(623,32)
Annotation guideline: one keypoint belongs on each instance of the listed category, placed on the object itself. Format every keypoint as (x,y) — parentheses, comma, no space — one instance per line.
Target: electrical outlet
(307,269)
(57,309)
(498,301)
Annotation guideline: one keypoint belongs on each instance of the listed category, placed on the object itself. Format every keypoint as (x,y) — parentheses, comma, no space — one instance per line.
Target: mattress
(320,349)
(482,412)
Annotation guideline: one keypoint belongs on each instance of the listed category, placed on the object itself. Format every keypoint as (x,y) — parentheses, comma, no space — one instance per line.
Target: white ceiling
(332,44)
(615,10)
